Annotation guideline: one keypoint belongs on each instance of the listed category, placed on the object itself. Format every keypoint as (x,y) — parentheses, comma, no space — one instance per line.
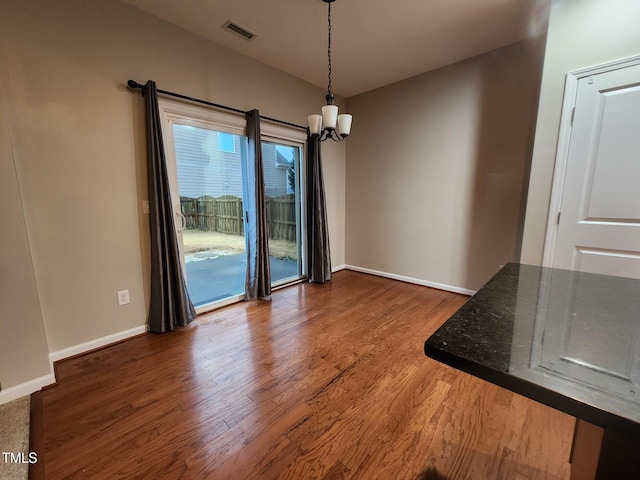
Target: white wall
(582,33)
(437,166)
(76,136)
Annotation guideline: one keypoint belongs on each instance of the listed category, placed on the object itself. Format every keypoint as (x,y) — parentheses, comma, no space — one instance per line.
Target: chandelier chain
(329,125)
(329,49)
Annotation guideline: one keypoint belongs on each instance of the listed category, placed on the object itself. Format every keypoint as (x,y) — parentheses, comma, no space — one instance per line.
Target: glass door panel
(210,170)
(281,166)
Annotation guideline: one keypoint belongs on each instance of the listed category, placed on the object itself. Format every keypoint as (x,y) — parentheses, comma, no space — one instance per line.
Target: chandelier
(330,124)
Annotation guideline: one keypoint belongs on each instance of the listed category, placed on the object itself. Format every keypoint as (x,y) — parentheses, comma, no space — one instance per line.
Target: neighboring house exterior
(209,163)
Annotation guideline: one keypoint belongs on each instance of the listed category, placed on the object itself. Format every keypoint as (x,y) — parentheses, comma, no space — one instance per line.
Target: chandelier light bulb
(315,124)
(329,116)
(344,124)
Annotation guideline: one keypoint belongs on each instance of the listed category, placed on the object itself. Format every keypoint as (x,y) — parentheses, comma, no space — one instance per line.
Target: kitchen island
(567,339)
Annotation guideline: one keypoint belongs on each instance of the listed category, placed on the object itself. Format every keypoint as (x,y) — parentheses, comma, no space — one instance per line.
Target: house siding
(203,169)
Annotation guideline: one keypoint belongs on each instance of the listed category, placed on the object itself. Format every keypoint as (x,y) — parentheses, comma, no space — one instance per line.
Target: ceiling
(374,42)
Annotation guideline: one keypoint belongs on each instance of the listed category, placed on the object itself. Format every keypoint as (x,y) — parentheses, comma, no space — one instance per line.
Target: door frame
(564,140)
(283,135)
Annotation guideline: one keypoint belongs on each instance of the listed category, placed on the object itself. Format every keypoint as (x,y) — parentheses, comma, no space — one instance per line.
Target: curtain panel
(318,253)
(170,305)
(258,281)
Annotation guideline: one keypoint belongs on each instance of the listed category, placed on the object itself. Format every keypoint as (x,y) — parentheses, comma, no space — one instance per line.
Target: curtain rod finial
(134,84)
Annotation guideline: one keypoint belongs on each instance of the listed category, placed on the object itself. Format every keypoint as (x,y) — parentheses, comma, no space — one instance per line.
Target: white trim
(606,67)
(94,344)
(209,307)
(183,113)
(26,388)
(417,281)
(562,152)
(271,131)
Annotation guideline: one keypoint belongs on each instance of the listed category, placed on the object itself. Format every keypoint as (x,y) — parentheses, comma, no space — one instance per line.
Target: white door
(598,226)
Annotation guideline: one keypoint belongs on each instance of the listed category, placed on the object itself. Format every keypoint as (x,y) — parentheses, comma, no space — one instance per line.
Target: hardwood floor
(323,382)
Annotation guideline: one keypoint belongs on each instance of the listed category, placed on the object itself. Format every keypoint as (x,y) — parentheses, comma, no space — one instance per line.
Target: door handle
(183,222)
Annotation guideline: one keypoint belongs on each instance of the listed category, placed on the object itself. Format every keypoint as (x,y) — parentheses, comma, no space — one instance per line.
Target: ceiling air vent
(239,30)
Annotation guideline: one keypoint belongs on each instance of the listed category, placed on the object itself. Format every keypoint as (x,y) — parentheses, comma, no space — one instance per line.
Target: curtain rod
(133,85)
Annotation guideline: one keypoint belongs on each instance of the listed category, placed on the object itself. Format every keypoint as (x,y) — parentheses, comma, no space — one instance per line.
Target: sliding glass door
(206,156)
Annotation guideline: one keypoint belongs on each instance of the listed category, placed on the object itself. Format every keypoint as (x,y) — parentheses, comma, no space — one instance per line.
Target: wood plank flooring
(323,382)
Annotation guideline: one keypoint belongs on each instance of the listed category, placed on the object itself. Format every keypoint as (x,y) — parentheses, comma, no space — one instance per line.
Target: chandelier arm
(331,133)
(336,137)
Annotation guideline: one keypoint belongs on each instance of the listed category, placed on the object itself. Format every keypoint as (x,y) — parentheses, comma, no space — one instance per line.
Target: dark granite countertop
(567,339)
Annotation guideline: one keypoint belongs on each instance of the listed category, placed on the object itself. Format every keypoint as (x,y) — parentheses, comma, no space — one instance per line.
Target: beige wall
(437,166)
(76,135)
(582,33)
(23,346)
(334,174)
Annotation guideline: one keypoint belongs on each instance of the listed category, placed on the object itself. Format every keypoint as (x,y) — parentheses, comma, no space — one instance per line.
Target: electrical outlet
(145,206)
(123,297)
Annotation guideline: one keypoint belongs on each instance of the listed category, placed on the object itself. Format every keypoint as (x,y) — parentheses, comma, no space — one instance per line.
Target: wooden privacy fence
(226,215)
(281,217)
(223,214)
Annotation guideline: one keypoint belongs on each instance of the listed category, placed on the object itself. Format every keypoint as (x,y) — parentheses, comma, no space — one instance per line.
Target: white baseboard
(36,384)
(97,343)
(417,281)
(26,388)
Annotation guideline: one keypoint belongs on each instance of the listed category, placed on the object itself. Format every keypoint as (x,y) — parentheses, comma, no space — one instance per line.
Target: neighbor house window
(226,142)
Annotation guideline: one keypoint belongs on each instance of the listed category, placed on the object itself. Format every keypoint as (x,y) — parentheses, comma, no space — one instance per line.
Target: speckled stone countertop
(567,339)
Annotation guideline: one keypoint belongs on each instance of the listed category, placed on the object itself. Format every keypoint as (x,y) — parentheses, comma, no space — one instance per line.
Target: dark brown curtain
(318,254)
(170,303)
(258,282)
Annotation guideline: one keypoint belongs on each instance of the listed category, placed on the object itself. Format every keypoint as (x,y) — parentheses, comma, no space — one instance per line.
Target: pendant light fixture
(330,124)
